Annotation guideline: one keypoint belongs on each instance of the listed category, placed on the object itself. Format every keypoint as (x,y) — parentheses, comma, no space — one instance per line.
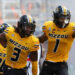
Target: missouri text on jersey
(18,45)
(58,35)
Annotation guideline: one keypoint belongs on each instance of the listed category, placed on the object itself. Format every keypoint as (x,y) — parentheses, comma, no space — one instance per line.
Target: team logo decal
(12,35)
(49,29)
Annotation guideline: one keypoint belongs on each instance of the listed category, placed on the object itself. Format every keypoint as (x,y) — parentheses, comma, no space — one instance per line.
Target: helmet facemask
(29,29)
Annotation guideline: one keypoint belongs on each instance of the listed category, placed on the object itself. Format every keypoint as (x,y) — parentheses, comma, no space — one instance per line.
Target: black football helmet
(24,22)
(3,26)
(61,16)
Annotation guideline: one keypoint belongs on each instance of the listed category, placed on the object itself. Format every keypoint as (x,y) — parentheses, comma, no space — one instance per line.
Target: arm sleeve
(35,62)
(8,31)
(34,67)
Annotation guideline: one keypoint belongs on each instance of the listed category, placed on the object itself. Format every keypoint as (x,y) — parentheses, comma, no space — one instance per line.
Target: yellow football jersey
(2,54)
(59,41)
(18,48)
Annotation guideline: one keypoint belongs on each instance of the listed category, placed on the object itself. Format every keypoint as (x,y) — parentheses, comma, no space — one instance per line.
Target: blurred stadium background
(41,10)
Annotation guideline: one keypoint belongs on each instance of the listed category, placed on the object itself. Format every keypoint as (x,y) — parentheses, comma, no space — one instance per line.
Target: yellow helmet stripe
(64,9)
(30,19)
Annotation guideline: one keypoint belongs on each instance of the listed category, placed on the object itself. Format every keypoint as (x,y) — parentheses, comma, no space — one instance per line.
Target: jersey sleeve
(35,45)
(8,31)
(73,28)
(44,27)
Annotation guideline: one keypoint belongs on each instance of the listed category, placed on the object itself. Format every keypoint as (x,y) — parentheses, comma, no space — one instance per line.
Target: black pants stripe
(50,68)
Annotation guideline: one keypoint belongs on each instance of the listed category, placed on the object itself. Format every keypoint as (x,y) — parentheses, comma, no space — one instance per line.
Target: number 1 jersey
(59,41)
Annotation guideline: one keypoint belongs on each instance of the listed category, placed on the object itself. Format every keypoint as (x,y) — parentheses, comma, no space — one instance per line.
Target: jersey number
(16,54)
(56,45)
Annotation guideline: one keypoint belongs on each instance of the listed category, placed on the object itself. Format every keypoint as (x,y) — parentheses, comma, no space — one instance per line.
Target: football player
(20,41)
(60,34)
(2,49)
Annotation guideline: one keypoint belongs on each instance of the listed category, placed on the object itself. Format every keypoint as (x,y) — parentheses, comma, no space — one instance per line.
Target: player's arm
(43,38)
(33,57)
(3,40)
